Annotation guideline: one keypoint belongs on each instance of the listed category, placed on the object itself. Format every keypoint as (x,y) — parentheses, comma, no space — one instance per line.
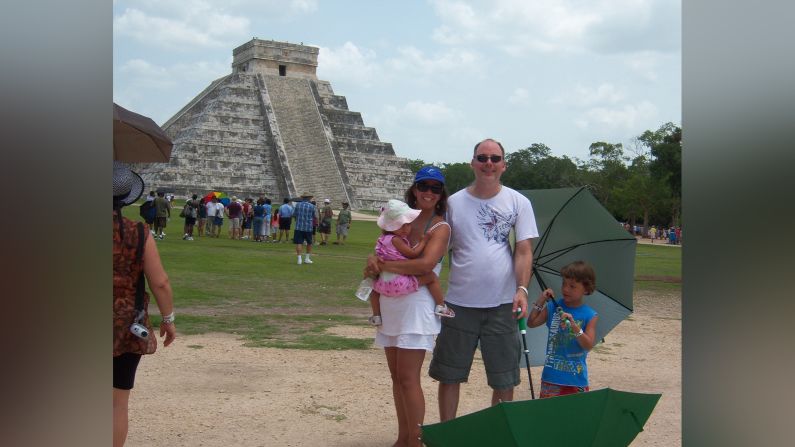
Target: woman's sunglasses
(484,158)
(424,187)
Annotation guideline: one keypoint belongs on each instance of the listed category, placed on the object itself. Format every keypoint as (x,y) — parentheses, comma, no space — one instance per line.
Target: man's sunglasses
(484,158)
(424,187)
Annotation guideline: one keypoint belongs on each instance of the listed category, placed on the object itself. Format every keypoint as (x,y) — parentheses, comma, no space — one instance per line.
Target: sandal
(443,311)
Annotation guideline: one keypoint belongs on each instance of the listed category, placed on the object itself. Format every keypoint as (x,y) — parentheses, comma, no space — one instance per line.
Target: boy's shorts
(497,331)
(552,389)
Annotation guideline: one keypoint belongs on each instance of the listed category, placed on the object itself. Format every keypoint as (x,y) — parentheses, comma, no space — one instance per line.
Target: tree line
(643,187)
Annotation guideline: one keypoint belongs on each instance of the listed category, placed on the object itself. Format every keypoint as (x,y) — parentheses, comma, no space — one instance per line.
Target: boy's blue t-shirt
(565,361)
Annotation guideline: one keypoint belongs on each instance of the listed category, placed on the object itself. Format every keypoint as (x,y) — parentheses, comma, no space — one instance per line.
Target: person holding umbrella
(572,331)
(487,283)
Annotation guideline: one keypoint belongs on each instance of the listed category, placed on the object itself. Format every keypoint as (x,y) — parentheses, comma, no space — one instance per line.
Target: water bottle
(365,287)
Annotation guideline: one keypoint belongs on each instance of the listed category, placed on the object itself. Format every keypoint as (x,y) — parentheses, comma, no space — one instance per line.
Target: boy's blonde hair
(583,273)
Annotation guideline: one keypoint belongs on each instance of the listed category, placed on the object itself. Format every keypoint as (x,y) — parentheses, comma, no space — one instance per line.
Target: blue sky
(433,76)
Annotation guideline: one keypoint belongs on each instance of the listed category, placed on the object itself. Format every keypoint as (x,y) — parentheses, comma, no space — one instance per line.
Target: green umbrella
(574,226)
(605,417)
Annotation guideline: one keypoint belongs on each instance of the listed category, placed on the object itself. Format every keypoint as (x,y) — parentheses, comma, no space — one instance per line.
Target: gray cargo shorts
(496,330)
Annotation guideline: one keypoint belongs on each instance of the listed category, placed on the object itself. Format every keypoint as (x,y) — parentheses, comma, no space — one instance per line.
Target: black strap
(139,253)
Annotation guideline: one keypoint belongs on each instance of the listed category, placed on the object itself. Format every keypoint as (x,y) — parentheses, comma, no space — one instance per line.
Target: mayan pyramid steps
(272,129)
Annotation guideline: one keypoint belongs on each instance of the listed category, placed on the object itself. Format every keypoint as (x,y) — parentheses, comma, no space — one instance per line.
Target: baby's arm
(407,250)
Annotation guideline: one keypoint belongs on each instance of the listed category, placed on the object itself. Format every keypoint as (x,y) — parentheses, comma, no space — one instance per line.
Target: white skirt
(408,321)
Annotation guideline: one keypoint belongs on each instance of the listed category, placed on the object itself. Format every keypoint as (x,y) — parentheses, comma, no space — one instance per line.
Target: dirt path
(209,390)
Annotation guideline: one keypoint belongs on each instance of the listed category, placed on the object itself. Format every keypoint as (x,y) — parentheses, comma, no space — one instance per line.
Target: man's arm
(522,263)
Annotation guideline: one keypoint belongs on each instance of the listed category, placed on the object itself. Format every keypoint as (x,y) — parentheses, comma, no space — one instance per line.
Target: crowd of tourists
(257,220)
(671,235)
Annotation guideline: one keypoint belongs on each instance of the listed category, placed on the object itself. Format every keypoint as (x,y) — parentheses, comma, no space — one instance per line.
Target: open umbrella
(138,139)
(605,418)
(574,226)
(222,197)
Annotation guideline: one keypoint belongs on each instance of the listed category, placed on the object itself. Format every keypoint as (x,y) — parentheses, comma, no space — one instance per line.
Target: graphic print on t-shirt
(495,225)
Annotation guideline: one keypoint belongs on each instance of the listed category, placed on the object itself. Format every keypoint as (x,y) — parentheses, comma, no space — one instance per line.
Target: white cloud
(421,114)
(518,26)
(351,63)
(413,61)
(644,64)
(145,75)
(202,27)
(348,63)
(519,96)
(581,96)
(628,117)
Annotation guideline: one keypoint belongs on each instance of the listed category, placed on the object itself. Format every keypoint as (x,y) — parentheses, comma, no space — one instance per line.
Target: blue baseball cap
(429,173)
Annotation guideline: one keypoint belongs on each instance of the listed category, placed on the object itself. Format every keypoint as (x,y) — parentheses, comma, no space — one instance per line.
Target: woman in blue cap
(408,324)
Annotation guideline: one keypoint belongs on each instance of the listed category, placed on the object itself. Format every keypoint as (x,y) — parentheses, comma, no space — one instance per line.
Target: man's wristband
(526,293)
(168,319)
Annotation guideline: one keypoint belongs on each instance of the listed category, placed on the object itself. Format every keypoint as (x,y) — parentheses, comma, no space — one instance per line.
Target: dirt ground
(209,390)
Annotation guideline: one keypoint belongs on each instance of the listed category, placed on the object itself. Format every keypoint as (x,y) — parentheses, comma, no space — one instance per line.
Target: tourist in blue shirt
(572,331)
(304,214)
(285,218)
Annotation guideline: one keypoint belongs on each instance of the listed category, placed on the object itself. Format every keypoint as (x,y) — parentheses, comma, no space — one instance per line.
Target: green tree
(457,176)
(414,165)
(665,150)
(640,195)
(521,170)
(605,170)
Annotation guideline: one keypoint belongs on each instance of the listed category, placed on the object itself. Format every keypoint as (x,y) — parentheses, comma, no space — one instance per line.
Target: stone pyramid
(272,129)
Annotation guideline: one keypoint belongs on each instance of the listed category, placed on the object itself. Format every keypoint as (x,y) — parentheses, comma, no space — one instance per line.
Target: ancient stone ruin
(272,129)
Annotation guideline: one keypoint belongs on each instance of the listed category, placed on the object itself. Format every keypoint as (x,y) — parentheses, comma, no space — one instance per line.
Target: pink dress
(392,284)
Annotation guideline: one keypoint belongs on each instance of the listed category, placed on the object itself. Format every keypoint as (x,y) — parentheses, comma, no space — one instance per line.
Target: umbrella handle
(522,322)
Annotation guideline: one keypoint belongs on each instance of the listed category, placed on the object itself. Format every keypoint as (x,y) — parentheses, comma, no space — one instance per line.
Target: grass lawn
(257,291)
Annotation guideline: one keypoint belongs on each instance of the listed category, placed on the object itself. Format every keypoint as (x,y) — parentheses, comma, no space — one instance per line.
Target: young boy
(572,331)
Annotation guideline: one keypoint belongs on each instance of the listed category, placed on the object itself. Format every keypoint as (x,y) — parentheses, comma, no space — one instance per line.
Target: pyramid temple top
(276,58)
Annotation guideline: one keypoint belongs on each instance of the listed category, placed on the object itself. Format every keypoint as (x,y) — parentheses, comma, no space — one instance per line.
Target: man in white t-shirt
(487,282)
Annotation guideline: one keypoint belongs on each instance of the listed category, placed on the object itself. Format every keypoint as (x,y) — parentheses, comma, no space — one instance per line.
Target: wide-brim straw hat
(396,214)
(307,195)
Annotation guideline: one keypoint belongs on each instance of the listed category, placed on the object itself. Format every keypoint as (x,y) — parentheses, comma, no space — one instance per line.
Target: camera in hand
(139,330)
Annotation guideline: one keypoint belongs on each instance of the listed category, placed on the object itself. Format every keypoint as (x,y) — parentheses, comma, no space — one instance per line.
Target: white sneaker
(190,238)
(185,237)
(299,261)
(308,261)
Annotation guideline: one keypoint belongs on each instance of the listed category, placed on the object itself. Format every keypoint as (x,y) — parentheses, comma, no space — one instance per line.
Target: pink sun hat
(395,214)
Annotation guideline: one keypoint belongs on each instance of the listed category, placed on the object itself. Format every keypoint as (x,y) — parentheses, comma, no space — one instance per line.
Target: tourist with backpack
(190,212)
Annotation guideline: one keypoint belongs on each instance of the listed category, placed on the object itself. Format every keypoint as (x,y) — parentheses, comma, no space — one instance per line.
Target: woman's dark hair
(441,205)
(268,201)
